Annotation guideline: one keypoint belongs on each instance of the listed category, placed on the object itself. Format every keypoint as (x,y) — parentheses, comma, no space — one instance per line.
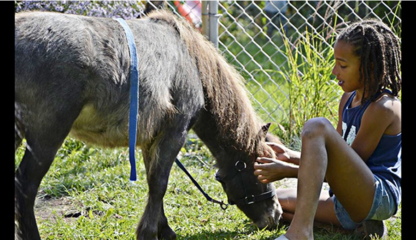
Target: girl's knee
(316,127)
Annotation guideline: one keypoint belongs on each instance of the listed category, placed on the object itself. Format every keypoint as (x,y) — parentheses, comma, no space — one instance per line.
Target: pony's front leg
(158,162)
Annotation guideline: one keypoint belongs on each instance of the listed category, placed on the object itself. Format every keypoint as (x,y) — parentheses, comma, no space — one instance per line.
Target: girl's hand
(282,152)
(270,170)
(285,154)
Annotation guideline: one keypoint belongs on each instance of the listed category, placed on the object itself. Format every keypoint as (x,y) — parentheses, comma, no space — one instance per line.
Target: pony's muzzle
(271,220)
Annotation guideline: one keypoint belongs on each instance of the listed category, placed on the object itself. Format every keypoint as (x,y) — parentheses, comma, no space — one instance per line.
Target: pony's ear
(263,131)
(262,149)
(265,128)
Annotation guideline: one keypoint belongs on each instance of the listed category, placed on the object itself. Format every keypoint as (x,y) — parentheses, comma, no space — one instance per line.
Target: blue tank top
(385,162)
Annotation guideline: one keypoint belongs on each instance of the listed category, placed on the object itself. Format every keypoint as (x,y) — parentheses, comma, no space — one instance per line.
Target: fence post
(213,22)
(205,18)
(210,21)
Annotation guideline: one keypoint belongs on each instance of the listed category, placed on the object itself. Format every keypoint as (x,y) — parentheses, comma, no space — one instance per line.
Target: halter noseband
(239,167)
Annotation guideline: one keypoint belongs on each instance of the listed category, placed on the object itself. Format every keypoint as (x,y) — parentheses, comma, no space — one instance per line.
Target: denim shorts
(384,206)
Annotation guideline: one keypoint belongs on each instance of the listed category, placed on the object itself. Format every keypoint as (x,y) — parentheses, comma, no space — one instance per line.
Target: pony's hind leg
(18,127)
(27,179)
(158,162)
(44,136)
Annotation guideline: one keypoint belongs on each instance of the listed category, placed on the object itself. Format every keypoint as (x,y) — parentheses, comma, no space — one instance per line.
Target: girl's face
(347,67)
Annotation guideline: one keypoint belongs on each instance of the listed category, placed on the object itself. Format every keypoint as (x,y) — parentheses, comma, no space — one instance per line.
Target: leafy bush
(312,92)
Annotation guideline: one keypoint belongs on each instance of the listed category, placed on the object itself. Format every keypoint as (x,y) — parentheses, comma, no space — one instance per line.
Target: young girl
(361,158)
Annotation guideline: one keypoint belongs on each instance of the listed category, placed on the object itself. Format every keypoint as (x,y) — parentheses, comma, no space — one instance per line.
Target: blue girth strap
(134,98)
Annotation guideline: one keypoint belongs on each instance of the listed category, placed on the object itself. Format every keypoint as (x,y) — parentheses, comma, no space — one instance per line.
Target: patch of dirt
(47,207)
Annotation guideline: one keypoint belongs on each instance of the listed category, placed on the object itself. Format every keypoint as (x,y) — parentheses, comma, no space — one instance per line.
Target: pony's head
(257,200)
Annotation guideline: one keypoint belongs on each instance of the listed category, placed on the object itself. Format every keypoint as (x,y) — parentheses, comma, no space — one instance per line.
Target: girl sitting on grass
(361,158)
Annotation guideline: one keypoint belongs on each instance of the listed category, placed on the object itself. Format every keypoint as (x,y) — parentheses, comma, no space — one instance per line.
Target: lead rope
(134,98)
(210,199)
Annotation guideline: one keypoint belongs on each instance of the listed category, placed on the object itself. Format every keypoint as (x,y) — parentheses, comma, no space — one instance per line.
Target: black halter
(239,167)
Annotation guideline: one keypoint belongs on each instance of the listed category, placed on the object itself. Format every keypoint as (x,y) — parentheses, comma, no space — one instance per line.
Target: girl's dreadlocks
(379,51)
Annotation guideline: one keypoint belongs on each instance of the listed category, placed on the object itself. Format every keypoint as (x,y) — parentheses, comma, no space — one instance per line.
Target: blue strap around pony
(134,98)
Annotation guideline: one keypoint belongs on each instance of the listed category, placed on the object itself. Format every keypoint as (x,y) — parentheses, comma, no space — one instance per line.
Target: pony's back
(86,60)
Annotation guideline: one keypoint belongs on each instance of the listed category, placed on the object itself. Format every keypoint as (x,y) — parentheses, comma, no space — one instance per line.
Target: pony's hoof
(167,234)
(146,234)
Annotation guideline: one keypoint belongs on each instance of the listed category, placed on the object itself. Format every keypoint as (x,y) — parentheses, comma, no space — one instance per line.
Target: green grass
(98,202)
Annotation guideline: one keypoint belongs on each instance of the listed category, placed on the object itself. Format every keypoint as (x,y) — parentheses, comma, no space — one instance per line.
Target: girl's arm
(342,102)
(382,117)
(285,166)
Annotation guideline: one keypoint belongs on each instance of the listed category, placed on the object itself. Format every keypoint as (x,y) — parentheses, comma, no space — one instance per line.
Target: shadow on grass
(321,232)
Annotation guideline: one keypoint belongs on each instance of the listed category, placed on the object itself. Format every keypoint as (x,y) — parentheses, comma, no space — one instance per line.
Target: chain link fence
(252,33)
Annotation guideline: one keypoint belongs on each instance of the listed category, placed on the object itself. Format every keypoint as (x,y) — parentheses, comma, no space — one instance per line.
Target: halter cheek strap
(253,199)
(239,167)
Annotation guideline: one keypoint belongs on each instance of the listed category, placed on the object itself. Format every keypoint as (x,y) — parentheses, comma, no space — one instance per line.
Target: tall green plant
(312,92)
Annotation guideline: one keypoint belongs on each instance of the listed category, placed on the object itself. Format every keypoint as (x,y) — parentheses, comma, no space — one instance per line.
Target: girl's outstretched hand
(270,169)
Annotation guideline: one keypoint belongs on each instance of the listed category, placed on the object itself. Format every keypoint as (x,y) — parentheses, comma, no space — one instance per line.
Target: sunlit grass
(100,202)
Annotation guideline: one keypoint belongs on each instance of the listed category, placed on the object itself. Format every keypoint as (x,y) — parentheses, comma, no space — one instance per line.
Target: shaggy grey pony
(72,77)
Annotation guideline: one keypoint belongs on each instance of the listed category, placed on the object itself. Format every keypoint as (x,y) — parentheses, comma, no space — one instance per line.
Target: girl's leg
(324,214)
(325,154)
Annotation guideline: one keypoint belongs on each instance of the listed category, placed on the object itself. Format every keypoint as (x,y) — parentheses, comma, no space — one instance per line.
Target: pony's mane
(226,98)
